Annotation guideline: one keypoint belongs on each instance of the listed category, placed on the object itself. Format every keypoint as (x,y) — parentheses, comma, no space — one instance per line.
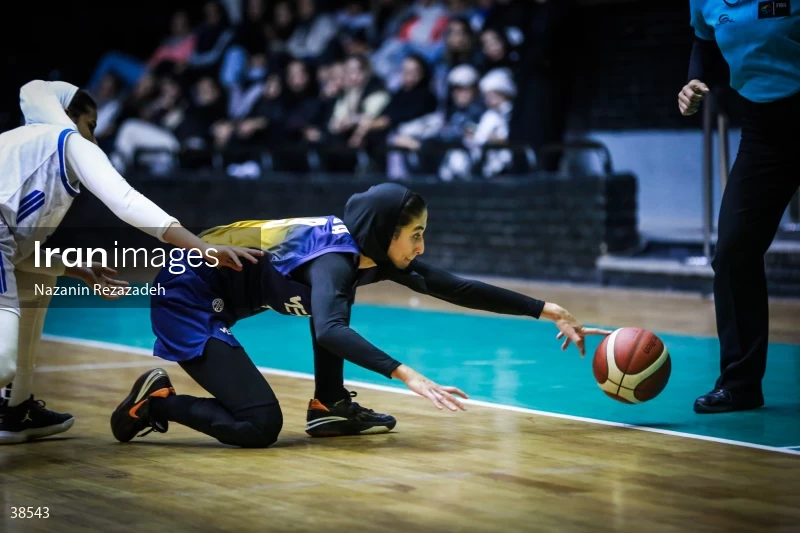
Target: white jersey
(35,189)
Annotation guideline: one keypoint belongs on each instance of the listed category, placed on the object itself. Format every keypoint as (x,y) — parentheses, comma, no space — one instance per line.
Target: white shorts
(9,297)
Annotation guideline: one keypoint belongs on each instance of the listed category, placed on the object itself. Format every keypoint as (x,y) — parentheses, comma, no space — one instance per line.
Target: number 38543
(30,512)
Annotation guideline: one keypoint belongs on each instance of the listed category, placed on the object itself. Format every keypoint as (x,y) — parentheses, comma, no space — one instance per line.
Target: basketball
(632,365)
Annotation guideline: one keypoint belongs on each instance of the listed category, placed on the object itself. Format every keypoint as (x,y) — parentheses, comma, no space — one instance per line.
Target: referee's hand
(690,97)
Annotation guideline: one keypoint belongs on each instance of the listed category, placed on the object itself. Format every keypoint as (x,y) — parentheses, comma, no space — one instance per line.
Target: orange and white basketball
(632,365)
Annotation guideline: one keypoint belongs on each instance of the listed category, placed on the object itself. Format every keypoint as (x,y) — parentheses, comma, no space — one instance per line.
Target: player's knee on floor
(265,424)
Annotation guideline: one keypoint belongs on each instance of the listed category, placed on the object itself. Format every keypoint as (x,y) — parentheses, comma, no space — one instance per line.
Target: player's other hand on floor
(690,97)
(98,277)
(228,256)
(440,396)
(570,328)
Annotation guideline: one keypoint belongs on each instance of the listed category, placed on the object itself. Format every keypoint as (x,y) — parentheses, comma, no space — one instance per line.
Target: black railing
(318,157)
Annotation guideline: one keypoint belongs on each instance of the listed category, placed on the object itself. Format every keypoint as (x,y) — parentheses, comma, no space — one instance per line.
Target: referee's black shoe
(726,401)
(132,415)
(345,417)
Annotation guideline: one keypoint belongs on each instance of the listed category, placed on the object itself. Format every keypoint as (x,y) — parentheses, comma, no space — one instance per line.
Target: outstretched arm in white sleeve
(88,162)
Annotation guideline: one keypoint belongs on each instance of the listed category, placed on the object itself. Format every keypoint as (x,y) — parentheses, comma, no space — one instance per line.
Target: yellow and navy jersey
(288,242)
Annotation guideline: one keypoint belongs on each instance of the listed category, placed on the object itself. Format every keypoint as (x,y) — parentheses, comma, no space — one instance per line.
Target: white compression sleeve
(95,171)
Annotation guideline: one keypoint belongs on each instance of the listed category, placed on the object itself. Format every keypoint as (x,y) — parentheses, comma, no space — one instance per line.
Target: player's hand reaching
(571,330)
(690,97)
(98,277)
(440,396)
(228,256)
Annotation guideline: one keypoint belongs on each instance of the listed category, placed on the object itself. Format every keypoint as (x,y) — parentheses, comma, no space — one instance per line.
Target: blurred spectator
(214,35)
(460,49)
(421,33)
(331,81)
(497,52)
(177,48)
(355,43)
(354,16)
(175,121)
(249,47)
(444,129)
(256,127)
(389,16)
(278,30)
(413,100)
(364,98)
(109,98)
(300,103)
(313,33)
(498,90)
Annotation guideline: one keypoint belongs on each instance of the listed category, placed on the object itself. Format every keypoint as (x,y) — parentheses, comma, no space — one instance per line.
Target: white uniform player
(43,166)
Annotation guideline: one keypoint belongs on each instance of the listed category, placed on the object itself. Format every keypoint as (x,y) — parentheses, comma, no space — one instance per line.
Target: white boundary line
(301,375)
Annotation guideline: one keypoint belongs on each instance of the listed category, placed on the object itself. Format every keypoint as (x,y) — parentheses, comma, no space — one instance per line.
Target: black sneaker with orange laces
(345,417)
(132,416)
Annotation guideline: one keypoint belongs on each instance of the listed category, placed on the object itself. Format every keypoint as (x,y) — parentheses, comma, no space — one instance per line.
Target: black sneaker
(30,420)
(133,414)
(345,417)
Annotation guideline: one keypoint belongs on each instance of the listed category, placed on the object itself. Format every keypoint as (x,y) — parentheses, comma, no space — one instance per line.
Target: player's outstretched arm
(474,294)
(332,277)
(95,171)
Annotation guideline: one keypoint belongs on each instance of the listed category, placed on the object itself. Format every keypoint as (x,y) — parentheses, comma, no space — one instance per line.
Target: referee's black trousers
(764,177)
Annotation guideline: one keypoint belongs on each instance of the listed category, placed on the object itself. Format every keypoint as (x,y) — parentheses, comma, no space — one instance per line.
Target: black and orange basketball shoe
(345,417)
(133,414)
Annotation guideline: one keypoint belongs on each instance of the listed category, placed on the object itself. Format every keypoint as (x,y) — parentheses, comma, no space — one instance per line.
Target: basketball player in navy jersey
(311,268)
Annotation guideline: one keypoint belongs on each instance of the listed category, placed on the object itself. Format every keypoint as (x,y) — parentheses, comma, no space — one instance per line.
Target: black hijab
(371,218)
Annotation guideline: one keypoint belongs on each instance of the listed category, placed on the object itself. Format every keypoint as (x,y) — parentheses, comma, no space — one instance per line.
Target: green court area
(509,361)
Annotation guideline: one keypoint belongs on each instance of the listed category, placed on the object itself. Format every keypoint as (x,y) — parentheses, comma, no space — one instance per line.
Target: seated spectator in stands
(255,128)
(355,43)
(463,112)
(497,52)
(354,16)
(432,135)
(313,33)
(331,81)
(498,90)
(421,33)
(138,103)
(300,103)
(176,49)
(110,101)
(389,16)
(174,121)
(461,48)
(250,41)
(364,98)
(214,35)
(244,93)
(413,100)
(278,30)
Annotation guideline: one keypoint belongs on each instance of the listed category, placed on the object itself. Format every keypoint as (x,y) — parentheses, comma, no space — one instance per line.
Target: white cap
(499,80)
(463,76)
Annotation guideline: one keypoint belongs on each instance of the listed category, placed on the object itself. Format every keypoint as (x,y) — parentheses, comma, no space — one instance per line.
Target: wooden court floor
(484,470)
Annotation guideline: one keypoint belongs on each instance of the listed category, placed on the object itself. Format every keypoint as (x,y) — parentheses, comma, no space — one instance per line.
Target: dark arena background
(546,139)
